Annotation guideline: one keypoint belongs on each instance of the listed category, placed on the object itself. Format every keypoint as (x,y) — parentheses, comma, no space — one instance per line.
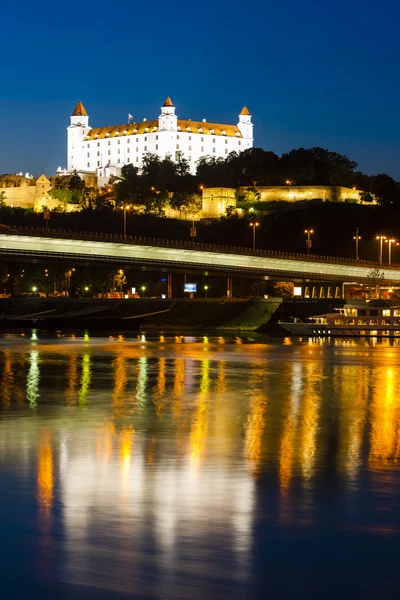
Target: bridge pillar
(229,288)
(169,293)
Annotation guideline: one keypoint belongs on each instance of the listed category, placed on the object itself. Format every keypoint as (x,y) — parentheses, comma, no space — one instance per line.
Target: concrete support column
(229,288)
(169,293)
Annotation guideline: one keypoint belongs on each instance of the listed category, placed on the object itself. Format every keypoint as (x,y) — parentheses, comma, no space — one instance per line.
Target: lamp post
(205,291)
(254,224)
(193,230)
(143,288)
(125,208)
(357,238)
(390,242)
(381,238)
(308,233)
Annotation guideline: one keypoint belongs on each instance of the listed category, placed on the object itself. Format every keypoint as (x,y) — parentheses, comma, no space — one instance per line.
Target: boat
(374,318)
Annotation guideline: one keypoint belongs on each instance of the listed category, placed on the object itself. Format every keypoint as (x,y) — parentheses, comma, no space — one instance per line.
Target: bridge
(28,244)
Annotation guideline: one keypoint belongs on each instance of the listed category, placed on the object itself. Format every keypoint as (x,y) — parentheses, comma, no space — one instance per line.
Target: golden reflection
(200,420)
(45,480)
(72,373)
(126,452)
(221,385)
(256,421)
(352,388)
(288,443)
(385,420)
(86,377)
(7,380)
(32,382)
(310,411)
(159,388)
(120,379)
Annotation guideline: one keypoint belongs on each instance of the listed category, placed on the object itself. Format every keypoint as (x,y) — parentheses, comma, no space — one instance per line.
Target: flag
(130,118)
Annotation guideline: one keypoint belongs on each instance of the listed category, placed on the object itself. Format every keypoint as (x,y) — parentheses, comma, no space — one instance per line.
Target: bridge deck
(35,244)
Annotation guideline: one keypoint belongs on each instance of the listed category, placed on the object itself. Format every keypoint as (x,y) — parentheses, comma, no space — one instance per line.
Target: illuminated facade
(105,150)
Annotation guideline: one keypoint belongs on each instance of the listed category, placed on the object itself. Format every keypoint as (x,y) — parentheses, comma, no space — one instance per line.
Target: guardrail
(188,245)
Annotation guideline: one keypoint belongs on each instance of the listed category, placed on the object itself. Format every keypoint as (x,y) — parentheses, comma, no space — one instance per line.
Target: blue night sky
(312,73)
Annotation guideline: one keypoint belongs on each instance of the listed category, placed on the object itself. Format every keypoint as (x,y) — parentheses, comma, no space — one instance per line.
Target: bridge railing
(189,245)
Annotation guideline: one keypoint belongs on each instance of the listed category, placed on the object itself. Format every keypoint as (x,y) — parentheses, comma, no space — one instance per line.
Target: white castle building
(104,150)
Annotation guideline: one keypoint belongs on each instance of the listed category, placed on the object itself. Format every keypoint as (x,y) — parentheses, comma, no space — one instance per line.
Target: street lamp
(143,288)
(193,230)
(254,224)
(390,242)
(381,238)
(205,290)
(308,233)
(125,208)
(34,289)
(357,238)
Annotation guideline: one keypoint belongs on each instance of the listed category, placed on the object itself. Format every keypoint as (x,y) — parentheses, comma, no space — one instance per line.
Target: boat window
(362,312)
(374,332)
(397,332)
(385,322)
(362,321)
(373,322)
(338,321)
(352,312)
(396,312)
(385,332)
(396,322)
(373,312)
(351,321)
(386,312)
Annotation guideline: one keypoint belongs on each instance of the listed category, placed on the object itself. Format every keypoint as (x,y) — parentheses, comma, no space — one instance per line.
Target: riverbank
(146,314)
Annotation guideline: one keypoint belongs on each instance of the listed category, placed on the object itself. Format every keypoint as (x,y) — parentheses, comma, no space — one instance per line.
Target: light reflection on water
(182,467)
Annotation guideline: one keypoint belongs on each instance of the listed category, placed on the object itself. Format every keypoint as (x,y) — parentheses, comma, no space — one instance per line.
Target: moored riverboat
(367,319)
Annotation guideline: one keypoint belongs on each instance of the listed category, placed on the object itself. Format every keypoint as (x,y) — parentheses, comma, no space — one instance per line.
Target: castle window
(156,146)
(145,138)
(137,139)
(190,138)
(128,141)
(109,143)
(88,154)
(109,152)
(137,149)
(214,150)
(98,143)
(190,147)
(119,141)
(239,143)
(213,140)
(128,150)
(190,158)
(202,148)
(156,137)
(202,139)
(145,148)
(177,137)
(96,136)
(88,145)
(226,141)
(88,164)
(187,128)
(119,160)
(200,130)
(137,159)
(177,146)
(98,163)
(98,153)
(119,151)
(226,150)
(223,132)
(128,159)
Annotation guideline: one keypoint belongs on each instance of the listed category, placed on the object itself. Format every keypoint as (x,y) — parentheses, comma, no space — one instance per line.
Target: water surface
(195,467)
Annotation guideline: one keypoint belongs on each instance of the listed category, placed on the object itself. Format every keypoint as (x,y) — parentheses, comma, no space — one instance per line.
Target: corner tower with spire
(167,121)
(77,130)
(245,125)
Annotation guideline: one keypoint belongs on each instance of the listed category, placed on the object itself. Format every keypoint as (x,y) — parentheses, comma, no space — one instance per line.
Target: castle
(104,150)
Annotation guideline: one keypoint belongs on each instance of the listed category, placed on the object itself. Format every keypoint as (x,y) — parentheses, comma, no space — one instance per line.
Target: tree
(76,182)
(386,189)
(186,202)
(376,278)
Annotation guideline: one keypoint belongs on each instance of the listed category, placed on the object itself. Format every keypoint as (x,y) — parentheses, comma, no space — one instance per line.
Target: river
(198,467)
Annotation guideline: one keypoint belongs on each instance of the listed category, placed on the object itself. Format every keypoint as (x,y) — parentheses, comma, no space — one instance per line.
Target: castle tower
(245,125)
(168,121)
(77,130)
